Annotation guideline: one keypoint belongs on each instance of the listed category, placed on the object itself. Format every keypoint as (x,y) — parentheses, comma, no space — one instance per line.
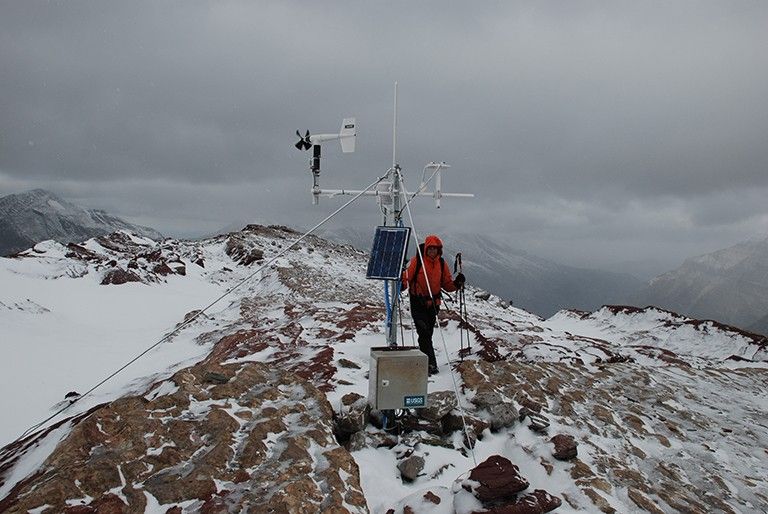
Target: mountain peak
(727,285)
(37,215)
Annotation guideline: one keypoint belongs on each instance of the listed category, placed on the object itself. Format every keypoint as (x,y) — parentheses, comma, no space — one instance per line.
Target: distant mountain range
(729,285)
(38,215)
(533,283)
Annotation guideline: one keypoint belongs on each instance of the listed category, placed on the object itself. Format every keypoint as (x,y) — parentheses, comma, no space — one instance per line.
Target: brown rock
(530,404)
(411,467)
(499,479)
(631,478)
(162,269)
(565,447)
(485,399)
(439,404)
(432,497)
(178,457)
(350,399)
(581,470)
(603,414)
(599,502)
(453,422)
(643,501)
(346,363)
(243,250)
(119,276)
(536,502)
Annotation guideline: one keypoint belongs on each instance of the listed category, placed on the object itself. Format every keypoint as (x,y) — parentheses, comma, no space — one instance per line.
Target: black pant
(424,316)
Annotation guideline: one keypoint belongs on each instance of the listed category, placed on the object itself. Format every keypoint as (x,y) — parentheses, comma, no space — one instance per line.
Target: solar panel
(388,253)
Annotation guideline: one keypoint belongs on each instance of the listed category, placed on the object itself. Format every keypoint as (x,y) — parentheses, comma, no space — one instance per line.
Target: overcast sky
(592,133)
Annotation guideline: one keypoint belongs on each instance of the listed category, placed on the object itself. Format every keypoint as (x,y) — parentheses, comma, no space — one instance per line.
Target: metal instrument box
(397,378)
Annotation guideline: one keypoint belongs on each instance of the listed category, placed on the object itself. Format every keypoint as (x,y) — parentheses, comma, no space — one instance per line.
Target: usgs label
(414,401)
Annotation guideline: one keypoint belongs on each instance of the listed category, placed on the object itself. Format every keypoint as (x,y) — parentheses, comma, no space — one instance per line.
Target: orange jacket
(432,267)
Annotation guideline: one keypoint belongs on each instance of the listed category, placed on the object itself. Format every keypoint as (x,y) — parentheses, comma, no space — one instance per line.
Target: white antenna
(394,132)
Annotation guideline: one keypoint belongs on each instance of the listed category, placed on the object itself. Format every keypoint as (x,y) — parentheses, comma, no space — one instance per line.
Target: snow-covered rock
(667,411)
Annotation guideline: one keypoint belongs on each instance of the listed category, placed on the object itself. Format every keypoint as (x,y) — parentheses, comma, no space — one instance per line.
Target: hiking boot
(433,370)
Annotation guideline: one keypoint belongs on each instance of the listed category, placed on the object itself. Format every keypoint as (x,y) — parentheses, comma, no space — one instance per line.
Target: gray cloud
(591,133)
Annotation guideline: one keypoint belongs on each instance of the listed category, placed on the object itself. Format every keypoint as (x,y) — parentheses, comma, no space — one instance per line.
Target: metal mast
(392,217)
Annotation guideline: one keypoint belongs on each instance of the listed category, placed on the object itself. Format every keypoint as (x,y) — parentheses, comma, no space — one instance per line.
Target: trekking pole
(457,266)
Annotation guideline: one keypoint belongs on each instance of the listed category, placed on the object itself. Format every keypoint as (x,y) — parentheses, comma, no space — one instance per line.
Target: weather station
(398,375)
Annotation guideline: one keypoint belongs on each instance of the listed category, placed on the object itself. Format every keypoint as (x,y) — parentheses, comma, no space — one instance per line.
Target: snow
(164,389)
(34,457)
(155,507)
(66,332)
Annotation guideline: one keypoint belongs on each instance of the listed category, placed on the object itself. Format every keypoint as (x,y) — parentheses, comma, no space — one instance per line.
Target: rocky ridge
(612,411)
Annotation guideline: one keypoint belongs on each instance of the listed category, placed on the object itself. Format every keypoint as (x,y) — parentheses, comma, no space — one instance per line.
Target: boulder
(495,479)
(536,502)
(530,404)
(503,415)
(354,416)
(475,427)
(350,422)
(537,422)
(353,399)
(453,422)
(417,424)
(486,399)
(357,441)
(162,269)
(565,447)
(410,467)
(439,404)
(119,276)
(243,250)
(346,363)
(482,295)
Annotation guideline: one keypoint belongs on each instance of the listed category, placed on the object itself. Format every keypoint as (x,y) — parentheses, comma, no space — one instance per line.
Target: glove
(459,281)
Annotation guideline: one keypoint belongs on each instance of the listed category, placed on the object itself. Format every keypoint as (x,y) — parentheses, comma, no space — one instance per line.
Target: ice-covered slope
(254,405)
(37,215)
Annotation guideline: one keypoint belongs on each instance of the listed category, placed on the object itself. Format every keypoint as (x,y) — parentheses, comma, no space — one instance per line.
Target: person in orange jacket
(424,307)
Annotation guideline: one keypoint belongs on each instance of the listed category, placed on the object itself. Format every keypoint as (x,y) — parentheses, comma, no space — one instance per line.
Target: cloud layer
(593,134)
